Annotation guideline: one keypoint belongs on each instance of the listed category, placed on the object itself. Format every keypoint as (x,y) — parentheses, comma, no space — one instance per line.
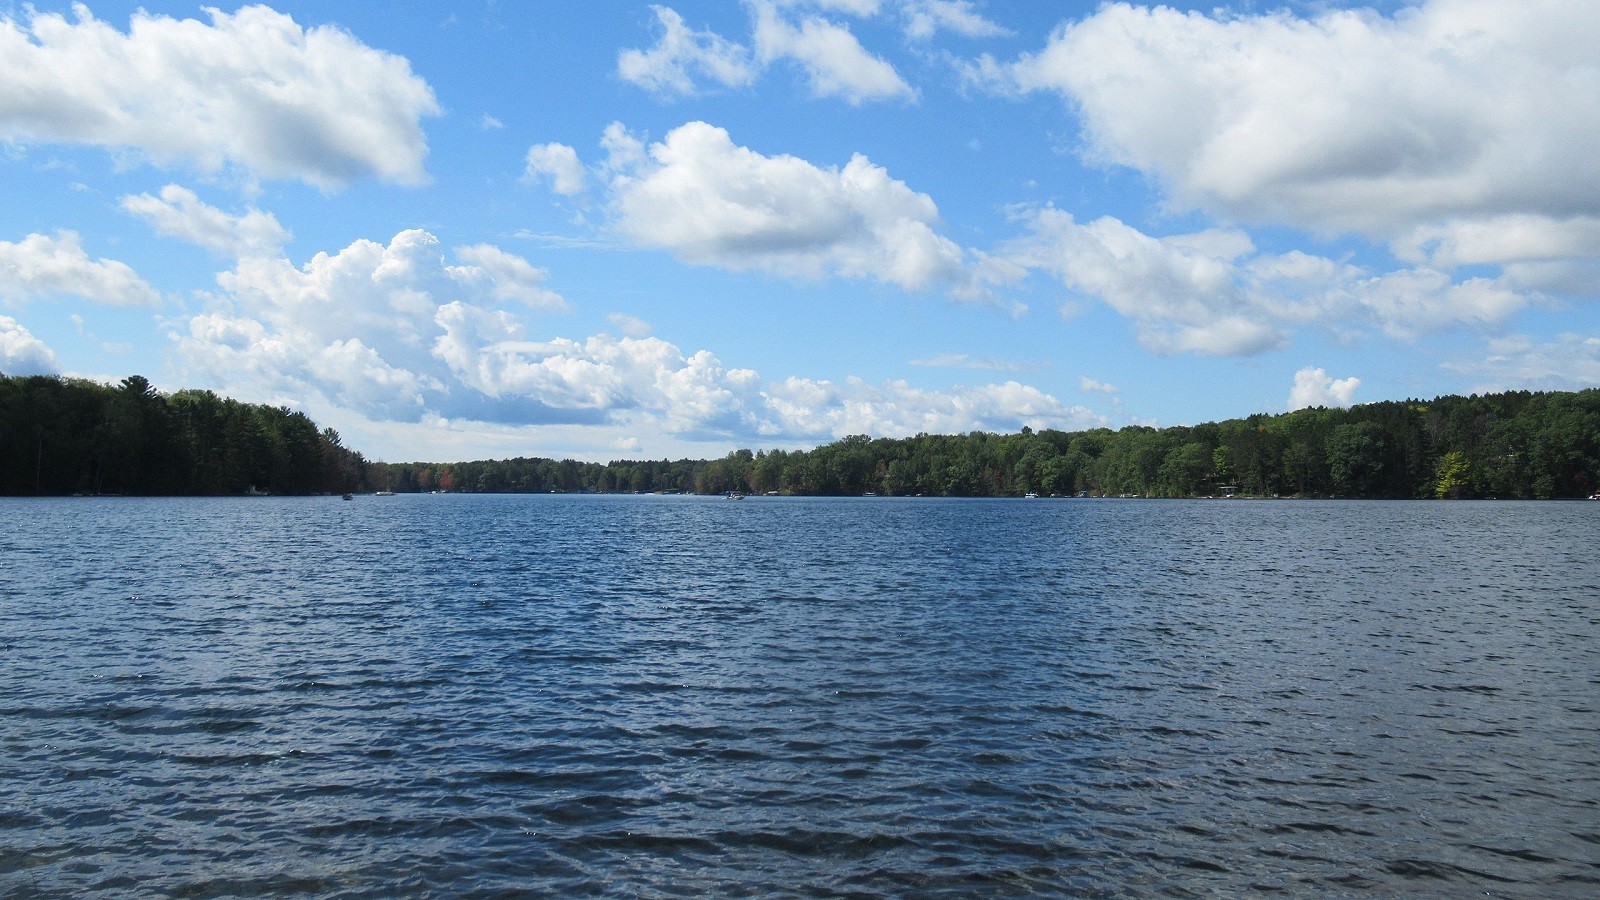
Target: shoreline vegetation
(61,436)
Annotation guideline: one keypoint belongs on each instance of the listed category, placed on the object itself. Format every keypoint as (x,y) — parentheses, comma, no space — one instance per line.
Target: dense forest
(62,436)
(1512,445)
(71,436)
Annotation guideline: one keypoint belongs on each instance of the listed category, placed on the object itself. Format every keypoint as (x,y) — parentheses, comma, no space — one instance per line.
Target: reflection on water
(675,695)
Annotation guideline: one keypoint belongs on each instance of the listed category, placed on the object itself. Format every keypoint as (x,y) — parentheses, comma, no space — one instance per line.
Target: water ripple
(674,696)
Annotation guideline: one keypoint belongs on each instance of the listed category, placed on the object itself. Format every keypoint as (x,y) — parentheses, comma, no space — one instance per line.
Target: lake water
(675,696)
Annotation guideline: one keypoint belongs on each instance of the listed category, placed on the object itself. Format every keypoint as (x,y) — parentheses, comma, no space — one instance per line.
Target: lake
(679,696)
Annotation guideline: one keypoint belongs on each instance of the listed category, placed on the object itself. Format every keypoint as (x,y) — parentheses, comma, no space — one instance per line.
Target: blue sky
(467,230)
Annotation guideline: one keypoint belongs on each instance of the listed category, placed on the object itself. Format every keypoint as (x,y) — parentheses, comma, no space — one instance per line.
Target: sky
(466,230)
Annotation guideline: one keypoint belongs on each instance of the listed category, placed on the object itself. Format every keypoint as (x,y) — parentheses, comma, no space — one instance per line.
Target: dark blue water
(668,696)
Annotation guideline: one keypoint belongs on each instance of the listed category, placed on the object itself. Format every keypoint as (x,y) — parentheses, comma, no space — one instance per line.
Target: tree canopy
(69,436)
(63,435)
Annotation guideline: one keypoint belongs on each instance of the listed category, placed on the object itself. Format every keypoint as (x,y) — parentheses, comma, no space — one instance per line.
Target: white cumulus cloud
(178,212)
(1457,129)
(1315,387)
(398,332)
(1183,293)
(1410,302)
(828,52)
(681,53)
(252,90)
(508,276)
(712,202)
(357,326)
(925,18)
(560,163)
(23,354)
(1215,292)
(43,266)
(833,59)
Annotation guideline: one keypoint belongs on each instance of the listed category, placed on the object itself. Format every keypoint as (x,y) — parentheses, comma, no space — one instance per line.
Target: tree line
(1515,445)
(63,436)
(73,436)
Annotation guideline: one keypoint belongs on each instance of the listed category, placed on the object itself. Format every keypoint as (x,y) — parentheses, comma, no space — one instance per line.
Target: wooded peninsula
(61,436)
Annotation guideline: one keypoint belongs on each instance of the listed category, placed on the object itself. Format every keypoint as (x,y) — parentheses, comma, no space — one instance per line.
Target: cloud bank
(404,332)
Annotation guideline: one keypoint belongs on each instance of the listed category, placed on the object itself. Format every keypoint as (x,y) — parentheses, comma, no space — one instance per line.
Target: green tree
(1451,475)
(1355,458)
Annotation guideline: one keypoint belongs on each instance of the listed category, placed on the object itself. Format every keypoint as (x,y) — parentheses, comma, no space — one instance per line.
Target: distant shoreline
(61,437)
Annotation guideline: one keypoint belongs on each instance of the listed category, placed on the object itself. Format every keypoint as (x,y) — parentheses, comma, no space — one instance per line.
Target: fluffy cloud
(1539,253)
(1214,292)
(1569,362)
(396,333)
(925,18)
(357,326)
(261,361)
(652,383)
(41,266)
(253,90)
(1184,293)
(834,61)
(1315,387)
(1410,302)
(23,354)
(1501,239)
(179,213)
(607,376)
(1091,385)
(560,163)
(1435,128)
(668,67)
(508,277)
(711,202)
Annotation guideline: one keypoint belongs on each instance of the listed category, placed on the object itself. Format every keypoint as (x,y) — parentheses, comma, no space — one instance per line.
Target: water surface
(670,696)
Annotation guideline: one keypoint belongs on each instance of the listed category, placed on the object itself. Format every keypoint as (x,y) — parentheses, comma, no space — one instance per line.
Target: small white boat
(384,494)
(1030,496)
